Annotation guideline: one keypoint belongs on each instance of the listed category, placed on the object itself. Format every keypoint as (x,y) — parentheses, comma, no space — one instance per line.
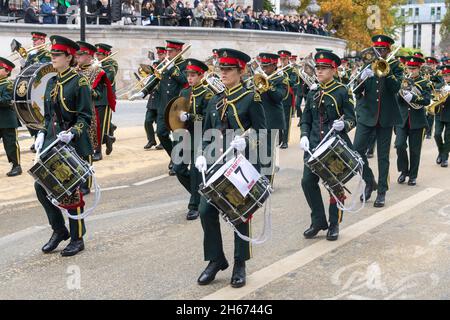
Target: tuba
(408,85)
(212,81)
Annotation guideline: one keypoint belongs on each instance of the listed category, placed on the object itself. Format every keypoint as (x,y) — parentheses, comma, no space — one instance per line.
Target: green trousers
(361,144)
(104,115)
(11,145)
(56,218)
(430,120)
(150,118)
(413,137)
(311,190)
(284,137)
(88,183)
(212,240)
(269,168)
(164,134)
(442,142)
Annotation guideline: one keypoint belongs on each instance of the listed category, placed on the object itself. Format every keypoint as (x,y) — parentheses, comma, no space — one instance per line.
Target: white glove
(407,95)
(170,66)
(184,116)
(138,95)
(238,143)
(200,163)
(367,73)
(65,137)
(39,142)
(314,86)
(338,125)
(22,62)
(304,143)
(446,88)
(34,51)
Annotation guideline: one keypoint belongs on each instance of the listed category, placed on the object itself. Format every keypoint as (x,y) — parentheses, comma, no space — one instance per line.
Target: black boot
(380,200)
(238,277)
(284,145)
(32,148)
(112,129)
(439,159)
(369,154)
(109,140)
(412,182)
(15,171)
(73,248)
(192,215)
(97,155)
(402,178)
(444,163)
(370,187)
(312,231)
(85,190)
(149,145)
(209,274)
(159,147)
(171,171)
(55,239)
(333,232)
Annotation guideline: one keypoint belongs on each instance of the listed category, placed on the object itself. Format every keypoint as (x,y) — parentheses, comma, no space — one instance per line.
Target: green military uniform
(172,81)
(442,127)
(151,114)
(198,97)
(289,100)
(437,82)
(378,111)
(329,102)
(67,106)
(238,109)
(413,126)
(273,109)
(8,120)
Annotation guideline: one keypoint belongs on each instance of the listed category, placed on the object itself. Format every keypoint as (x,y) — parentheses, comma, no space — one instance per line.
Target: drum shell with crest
(28,94)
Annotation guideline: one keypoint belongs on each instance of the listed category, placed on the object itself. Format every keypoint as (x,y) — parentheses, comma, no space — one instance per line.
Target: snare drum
(60,170)
(226,197)
(335,163)
(29,91)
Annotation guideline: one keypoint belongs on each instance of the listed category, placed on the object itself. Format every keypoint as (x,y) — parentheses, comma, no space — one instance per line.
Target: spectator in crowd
(186,15)
(171,14)
(104,13)
(210,15)
(31,13)
(61,10)
(128,12)
(272,21)
(147,13)
(249,21)
(264,20)
(198,15)
(238,17)
(48,11)
(221,18)
(229,10)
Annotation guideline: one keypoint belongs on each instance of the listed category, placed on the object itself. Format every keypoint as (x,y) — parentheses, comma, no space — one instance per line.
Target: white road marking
(150,180)
(20,234)
(302,257)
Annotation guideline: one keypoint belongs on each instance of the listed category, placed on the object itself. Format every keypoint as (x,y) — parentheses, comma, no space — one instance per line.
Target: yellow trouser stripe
(90,177)
(289,126)
(17,147)
(105,117)
(80,226)
(250,235)
(339,215)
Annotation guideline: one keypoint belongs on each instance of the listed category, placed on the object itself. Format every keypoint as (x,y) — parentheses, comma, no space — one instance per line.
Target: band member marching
(198,97)
(68,114)
(442,122)
(325,107)
(237,109)
(8,118)
(272,98)
(437,82)
(378,111)
(411,132)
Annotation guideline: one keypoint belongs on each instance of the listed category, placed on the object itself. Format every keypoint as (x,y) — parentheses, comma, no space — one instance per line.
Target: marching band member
(437,82)
(442,122)
(325,105)
(273,106)
(237,109)
(198,97)
(414,122)
(8,118)
(68,113)
(378,111)
(105,111)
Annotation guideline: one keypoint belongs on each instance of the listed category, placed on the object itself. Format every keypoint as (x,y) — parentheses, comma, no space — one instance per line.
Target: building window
(433,39)
(415,36)
(438,13)
(433,11)
(419,36)
(403,35)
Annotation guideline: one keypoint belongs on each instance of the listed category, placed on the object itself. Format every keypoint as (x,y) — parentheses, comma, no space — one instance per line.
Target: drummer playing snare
(326,105)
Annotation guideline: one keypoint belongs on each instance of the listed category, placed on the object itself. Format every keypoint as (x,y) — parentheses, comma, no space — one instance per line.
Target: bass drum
(28,96)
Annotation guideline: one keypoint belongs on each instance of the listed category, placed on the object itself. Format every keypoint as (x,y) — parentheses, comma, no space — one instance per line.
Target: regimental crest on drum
(336,166)
(22,89)
(61,171)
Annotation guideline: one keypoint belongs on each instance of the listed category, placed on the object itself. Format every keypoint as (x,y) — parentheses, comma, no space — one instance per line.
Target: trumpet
(212,81)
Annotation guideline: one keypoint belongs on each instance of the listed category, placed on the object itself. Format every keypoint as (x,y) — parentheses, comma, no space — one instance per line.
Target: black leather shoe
(238,277)
(370,187)
(56,238)
(149,145)
(159,147)
(192,215)
(284,145)
(333,233)
(112,129)
(209,274)
(380,200)
(411,182)
(73,248)
(402,178)
(97,156)
(32,148)
(369,155)
(109,144)
(15,171)
(444,163)
(312,231)
(438,159)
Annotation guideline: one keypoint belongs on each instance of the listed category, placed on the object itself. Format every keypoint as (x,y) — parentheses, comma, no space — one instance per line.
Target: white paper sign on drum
(242,174)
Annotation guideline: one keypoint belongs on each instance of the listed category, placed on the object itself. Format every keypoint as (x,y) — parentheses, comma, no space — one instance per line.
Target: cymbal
(174,108)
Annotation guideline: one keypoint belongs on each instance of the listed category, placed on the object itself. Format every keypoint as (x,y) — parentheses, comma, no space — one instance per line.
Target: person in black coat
(31,14)
(186,14)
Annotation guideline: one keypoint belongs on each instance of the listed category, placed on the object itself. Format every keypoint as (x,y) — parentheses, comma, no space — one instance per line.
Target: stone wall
(134,42)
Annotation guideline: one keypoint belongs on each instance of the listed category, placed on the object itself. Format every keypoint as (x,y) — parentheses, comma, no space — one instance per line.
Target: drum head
(323,148)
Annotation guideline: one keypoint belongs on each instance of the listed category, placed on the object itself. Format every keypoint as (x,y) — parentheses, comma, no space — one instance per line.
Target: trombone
(260,81)
(23,53)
